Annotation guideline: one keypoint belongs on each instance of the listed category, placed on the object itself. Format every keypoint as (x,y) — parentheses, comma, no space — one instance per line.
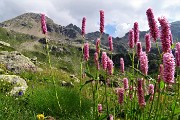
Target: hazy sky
(119,14)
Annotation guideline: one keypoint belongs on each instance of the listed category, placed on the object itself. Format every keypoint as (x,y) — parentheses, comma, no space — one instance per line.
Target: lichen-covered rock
(16,62)
(18,84)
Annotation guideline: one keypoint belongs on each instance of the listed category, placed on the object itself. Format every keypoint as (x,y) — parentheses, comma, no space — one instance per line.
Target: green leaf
(147,97)
(177,111)
(161,85)
(89,75)
(164,118)
(87,82)
(102,117)
(173,105)
(173,46)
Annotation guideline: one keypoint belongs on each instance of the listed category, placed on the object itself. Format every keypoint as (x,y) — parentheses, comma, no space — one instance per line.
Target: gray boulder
(16,62)
(18,84)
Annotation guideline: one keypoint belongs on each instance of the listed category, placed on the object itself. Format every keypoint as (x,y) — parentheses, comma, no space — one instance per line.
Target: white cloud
(117,12)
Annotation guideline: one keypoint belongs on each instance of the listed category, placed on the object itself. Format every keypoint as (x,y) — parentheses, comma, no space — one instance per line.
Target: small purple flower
(86,51)
(43,24)
(101,21)
(122,65)
(20,93)
(144,63)
(125,82)
(110,43)
(100,108)
(136,32)
(152,24)
(140,93)
(83,26)
(169,68)
(148,43)
(104,60)
(131,38)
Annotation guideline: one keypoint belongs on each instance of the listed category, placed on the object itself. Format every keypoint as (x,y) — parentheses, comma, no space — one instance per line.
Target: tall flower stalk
(44,31)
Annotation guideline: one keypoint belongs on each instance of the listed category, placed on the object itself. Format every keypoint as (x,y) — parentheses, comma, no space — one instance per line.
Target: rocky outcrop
(17,84)
(16,62)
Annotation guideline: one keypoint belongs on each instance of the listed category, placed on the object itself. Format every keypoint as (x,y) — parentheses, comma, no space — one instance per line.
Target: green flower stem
(54,82)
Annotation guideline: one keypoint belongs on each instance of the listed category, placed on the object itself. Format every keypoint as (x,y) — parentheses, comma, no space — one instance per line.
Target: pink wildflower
(110,117)
(148,43)
(83,26)
(131,38)
(177,54)
(122,65)
(151,91)
(104,60)
(110,43)
(96,60)
(161,70)
(101,21)
(86,51)
(136,32)
(144,63)
(98,45)
(140,93)
(139,49)
(100,108)
(43,24)
(169,68)
(110,66)
(125,82)
(152,24)
(120,96)
(165,34)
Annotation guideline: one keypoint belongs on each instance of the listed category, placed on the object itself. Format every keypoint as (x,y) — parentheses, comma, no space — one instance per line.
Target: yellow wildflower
(40,116)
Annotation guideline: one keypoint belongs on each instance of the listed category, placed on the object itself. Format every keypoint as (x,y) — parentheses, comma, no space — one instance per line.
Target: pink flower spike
(131,39)
(104,60)
(125,82)
(100,108)
(110,43)
(83,26)
(120,96)
(177,54)
(139,49)
(98,45)
(165,34)
(151,91)
(122,65)
(96,60)
(101,21)
(43,24)
(144,63)
(140,93)
(110,66)
(136,32)
(161,70)
(152,24)
(86,51)
(169,68)
(148,43)
(110,117)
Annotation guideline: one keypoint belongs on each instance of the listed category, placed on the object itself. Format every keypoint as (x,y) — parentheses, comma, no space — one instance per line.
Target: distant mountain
(29,23)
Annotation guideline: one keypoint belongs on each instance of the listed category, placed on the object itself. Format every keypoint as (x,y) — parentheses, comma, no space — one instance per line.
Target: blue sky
(120,15)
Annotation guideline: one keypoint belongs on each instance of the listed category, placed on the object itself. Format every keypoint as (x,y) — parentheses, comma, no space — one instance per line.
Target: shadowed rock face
(16,62)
